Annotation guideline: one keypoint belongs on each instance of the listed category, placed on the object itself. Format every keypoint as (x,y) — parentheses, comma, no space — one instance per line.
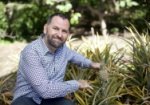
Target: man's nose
(60,33)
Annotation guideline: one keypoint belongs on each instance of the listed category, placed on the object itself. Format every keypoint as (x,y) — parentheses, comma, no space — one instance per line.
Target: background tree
(24,19)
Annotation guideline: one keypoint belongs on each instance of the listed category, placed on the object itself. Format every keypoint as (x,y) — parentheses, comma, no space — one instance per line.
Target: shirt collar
(43,45)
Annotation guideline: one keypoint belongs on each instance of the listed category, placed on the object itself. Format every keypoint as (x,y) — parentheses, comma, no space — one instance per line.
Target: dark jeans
(56,101)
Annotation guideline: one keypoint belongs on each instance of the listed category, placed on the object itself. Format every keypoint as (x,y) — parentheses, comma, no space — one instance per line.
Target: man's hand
(95,65)
(83,84)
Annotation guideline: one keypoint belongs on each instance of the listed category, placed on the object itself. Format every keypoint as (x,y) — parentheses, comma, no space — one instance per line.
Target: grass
(8,42)
(5,42)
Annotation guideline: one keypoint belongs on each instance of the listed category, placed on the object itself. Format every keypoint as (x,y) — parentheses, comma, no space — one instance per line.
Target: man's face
(56,32)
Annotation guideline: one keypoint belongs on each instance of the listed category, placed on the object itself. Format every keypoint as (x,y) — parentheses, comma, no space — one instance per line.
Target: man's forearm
(56,89)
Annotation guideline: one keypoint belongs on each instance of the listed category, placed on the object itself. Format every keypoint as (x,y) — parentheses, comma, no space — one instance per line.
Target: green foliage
(3,19)
(50,2)
(75,18)
(5,42)
(106,89)
(27,21)
(138,82)
(118,82)
(126,3)
(67,7)
(64,7)
(141,60)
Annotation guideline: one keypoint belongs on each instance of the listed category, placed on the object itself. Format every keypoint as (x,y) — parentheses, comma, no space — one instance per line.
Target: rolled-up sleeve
(36,76)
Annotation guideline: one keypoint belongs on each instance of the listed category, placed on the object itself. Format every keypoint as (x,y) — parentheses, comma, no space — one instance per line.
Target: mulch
(7,84)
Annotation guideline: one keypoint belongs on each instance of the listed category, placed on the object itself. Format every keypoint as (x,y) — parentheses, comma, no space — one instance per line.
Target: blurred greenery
(24,19)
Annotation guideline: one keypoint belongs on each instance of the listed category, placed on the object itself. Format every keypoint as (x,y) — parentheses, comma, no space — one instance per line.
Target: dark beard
(54,44)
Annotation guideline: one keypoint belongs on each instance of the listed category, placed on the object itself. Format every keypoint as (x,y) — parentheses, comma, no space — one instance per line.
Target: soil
(9,55)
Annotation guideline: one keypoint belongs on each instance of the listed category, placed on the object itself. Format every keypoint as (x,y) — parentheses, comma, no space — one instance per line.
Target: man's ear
(45,29)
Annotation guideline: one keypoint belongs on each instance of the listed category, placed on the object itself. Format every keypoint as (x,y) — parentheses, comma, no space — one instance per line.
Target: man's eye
(55,28)
(65,32)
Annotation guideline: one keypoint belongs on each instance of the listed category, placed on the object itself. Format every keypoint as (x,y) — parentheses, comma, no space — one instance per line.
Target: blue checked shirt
(41,73)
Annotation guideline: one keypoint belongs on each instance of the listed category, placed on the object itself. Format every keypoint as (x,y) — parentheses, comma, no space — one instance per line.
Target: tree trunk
(103,27)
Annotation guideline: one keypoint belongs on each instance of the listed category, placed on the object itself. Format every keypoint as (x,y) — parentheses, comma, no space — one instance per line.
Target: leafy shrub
(3,21)
(127,81)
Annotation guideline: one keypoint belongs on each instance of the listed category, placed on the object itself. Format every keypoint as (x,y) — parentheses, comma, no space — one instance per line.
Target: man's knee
(57,101)
(23,101)
(65,101)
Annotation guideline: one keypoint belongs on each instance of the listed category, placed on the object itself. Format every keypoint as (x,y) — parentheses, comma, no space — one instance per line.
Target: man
(43,64)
